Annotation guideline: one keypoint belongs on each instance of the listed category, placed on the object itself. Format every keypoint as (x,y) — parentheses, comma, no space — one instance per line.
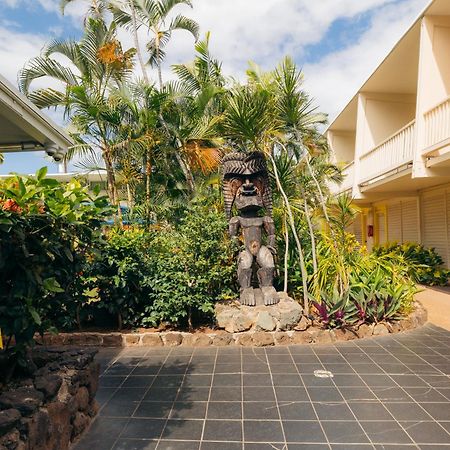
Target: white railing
(394,152)
(348,173)
(437,124)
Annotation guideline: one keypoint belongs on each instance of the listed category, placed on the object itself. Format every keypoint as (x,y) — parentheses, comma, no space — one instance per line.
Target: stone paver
(391,392)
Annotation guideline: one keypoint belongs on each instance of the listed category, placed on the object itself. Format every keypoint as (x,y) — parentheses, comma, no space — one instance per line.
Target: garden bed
(50,410)
(306,332)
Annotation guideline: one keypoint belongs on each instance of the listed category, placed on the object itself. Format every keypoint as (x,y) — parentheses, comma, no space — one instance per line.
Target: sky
(337,43)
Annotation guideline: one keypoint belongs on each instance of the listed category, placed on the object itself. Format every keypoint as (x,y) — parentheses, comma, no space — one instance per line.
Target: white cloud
(266,30)
(15,49)
(11,3)
(259,30)
(48,5)
(333,80)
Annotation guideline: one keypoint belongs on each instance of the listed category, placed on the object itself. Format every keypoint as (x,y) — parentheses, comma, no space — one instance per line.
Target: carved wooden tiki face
(246,183)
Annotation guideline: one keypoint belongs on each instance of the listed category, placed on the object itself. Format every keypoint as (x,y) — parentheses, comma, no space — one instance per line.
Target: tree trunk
(110,177)
(186,171)
(111,182)
(130,198)
(160,76)
(158,60)
(296,238)
(319,190)
(136,42)
(148,172)
(311,233)
(313,244)
(286,252)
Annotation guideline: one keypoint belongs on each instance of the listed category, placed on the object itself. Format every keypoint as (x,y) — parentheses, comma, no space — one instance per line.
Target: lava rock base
(50,411)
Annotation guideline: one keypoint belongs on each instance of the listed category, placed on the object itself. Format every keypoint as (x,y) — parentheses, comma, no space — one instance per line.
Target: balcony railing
(437,124)
(348,173)
(394,152)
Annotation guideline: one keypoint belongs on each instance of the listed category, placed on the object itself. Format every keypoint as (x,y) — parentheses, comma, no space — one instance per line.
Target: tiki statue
(246,186)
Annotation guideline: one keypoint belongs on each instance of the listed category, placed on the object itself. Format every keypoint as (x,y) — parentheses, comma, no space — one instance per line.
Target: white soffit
(397,73)
(21,123)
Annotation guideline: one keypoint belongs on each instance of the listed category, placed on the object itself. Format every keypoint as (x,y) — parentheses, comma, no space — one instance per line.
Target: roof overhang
(93,176)
(408,44)
(23,127)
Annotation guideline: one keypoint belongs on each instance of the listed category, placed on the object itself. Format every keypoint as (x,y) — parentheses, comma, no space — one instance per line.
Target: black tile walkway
(386,393)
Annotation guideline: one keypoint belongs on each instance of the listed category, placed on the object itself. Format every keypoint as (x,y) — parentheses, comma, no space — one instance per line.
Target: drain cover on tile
(323,374)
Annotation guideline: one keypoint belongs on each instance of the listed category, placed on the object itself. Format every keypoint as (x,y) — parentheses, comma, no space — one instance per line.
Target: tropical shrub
(167,274)
(117,279)
(373,289)
(426,264)
(192,266)
(47,231)
(352,286)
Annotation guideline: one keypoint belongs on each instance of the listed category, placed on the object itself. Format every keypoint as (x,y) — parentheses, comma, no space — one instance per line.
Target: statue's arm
(269,227)
(233,227)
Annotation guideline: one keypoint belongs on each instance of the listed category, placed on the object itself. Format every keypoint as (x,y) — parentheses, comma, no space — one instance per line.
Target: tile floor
(387,393)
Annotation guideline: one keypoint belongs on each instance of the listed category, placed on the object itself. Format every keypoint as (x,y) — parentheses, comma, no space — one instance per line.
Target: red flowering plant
(47,231)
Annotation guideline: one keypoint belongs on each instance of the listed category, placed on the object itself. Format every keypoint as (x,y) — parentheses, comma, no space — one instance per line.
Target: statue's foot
(270,295)
(248,297)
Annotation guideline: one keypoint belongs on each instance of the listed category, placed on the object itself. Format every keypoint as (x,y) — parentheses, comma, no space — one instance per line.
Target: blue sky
(337,42)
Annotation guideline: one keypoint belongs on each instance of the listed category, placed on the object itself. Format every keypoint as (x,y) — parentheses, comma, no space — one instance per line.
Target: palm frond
(181,22)
(40,67)
(71,50)
(166,6)
(47,98)
(186,74)
(248,116)
(156,54)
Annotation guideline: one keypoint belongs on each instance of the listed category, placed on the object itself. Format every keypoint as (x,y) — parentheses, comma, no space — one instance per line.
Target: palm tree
(97,8)
(204,71)
(140,131)
(272,113)
(97,62)
(153,15)
(193,113)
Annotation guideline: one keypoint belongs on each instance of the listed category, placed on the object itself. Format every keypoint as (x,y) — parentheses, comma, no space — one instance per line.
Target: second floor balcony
(389,157)
(392,154)
(437,127)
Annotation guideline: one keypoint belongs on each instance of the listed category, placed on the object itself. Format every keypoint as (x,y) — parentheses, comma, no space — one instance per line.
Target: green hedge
(426,265)
(48,231)
(167,274)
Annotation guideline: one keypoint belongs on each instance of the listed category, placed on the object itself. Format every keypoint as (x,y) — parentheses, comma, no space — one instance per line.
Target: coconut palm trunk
(136,41)
(111,181)
(311,232)
(319,190)
(130,197)
(287,205)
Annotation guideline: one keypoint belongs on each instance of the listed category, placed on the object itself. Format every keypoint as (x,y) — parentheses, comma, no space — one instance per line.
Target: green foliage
(426,265)
(167,274)
(162,145)
(373,288)
(352,286)
(47,230)
(116,280)
(193,266)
